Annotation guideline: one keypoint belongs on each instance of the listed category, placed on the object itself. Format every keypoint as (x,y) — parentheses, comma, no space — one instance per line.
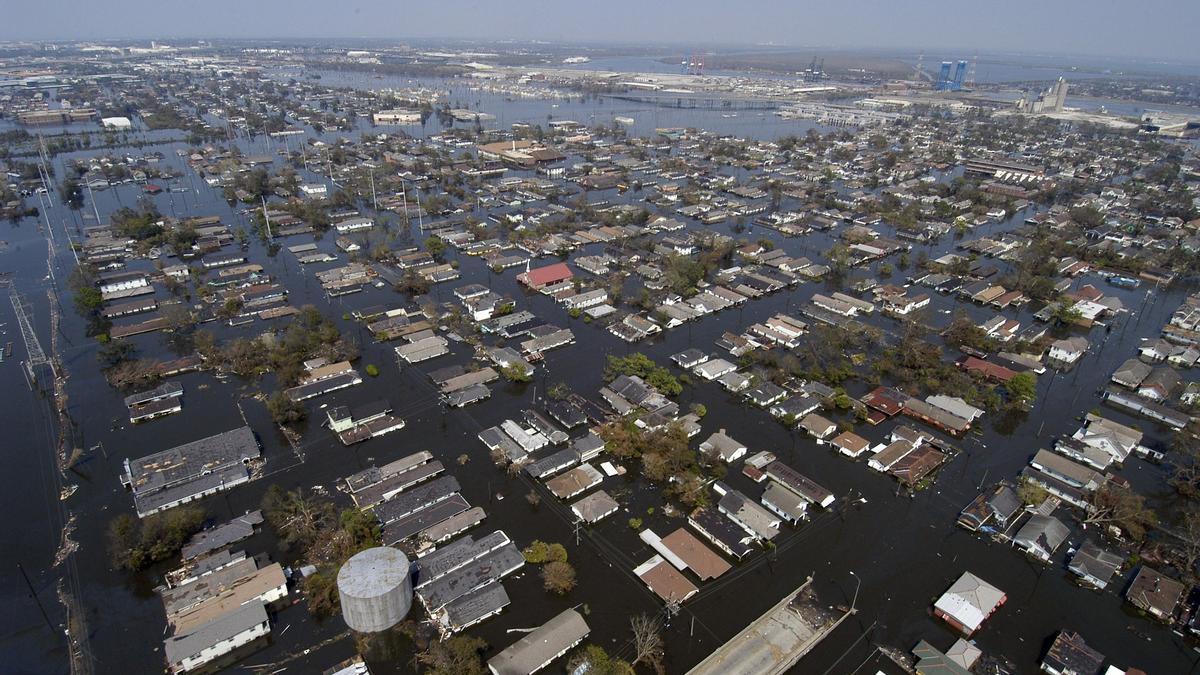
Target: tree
(1185,475)
(137,544)
(648,646)
(296,518)
(457,656)
(435,246)
(558,577)
(1022,387)
(1031,492)
(515,372)
(593,660)
(284,409)
(362,529)
(963,331)
(539,552)
(1121,508)
(1189,536)
(115,352)
(640,365)
(323,598)
(88,300)
(177,317)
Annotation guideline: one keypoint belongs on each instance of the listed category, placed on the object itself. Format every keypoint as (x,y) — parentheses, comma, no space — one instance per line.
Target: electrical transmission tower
(33,348)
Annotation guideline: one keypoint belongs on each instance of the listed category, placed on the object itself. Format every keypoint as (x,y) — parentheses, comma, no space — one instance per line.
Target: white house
(723,446)
(1069,350)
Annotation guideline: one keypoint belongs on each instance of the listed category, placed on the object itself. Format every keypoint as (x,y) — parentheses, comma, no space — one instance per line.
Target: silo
(375,589)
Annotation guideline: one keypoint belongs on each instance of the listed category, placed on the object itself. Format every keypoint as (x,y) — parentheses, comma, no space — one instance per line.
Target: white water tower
(375,589)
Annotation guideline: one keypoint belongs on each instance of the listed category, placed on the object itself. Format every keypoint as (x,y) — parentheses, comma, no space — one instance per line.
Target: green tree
(1022,387)
(516,373)
(321,590)
(88,300)
(435,246)
(362,528)
(284,409)
(593,660)
(539,552)
(137,544)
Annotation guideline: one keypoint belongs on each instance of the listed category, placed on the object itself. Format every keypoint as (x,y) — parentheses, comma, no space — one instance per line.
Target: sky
(1148,29)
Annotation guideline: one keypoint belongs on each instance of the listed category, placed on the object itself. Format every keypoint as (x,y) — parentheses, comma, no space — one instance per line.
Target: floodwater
(890,554)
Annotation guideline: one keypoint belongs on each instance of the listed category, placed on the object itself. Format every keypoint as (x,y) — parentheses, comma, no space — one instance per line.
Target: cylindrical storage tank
(375,589)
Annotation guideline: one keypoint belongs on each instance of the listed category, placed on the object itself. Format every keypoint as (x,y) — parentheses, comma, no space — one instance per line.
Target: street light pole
(854,602)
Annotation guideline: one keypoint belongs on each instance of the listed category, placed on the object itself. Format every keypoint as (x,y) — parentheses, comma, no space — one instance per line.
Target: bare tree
(648,644)
(1189,536)
(1123,508)
(558,577)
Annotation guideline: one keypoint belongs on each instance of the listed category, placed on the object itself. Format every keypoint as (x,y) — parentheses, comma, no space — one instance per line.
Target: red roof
(544,276)
(988,369)
(881,399)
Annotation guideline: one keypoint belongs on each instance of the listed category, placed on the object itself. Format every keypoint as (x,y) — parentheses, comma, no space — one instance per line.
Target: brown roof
(700,558)
(667,582)
(245,590)
(851,441)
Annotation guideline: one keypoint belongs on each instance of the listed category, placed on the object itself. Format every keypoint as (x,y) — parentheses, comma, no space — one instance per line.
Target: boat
(1124,282)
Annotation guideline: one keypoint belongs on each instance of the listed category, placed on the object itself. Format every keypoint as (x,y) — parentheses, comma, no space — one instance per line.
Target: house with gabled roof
(968,603)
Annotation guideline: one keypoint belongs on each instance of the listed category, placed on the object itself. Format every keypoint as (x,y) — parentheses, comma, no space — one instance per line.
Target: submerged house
(968,603)
(1041,536)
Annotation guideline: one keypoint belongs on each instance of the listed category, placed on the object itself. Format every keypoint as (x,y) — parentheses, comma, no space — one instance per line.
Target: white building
(586,299)
(314,189)
(117,123)
(397,117)
(1069,350)
(217,637)
(353,224)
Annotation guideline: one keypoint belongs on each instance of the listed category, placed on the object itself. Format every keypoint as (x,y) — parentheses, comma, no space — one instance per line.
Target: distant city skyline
(1155,29)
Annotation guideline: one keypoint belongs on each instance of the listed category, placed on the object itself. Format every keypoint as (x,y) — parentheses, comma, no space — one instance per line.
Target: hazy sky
(1147,28)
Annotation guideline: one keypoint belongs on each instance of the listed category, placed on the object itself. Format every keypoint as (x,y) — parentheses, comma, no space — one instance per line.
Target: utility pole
(33,593)
(92,196)
(266,218)
(374,201)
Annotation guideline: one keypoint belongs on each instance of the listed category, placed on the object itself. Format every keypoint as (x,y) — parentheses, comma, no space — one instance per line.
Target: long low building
(541,647)
(188,651)
(191,471)
(415,499)
(470,577)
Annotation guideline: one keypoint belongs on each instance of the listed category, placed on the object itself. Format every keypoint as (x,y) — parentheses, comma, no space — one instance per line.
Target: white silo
(375,589)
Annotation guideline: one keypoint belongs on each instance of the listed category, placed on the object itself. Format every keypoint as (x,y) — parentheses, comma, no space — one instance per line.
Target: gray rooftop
(476,574)
(536,649)
(245,617)
(222,535)
(190,461)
